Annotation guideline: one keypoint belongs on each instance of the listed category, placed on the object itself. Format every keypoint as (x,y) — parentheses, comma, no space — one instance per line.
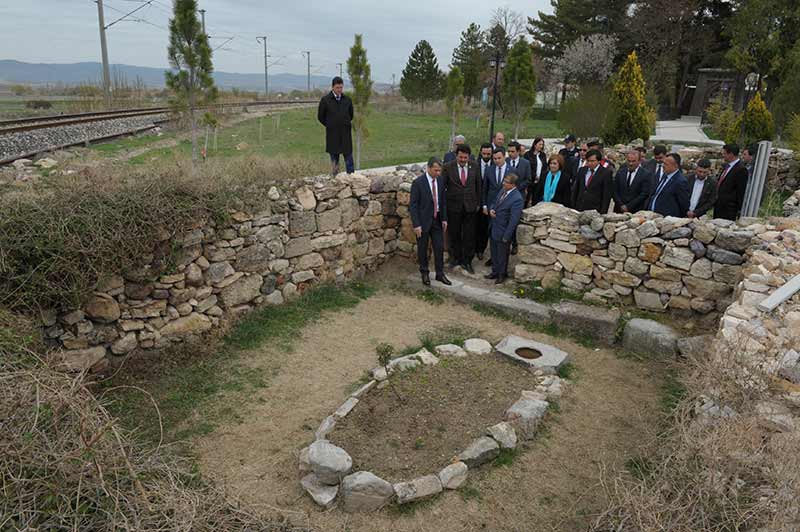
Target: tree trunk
(358,149)
(192,116)
(452,127)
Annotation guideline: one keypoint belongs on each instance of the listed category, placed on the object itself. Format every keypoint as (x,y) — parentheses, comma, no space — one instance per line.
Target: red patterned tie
(722,177)
(435,198)
(589,178)
(463,176)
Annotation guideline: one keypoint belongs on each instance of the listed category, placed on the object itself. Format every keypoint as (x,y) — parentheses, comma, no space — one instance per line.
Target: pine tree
(519,83)
(190,58)
(631,117)
(422,79)
(469,57)
(361,80)
(756,123)
(454,98)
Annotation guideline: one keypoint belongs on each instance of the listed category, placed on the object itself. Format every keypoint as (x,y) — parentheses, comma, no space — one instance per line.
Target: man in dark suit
(731,184)
(671,195)
(632,185)
(569,150)
(485,163)
(458,140)
(574,165)
(498,140)
(335,112)
(655,166)
(493,184)
(702,190)
(748,154)
(525,179)
(605,163)
(462,181)
(505,214)
(593,185)
(428,210)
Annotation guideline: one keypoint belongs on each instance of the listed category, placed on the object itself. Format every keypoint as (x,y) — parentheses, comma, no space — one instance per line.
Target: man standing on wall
(462,181)
(335,112)
(428,210)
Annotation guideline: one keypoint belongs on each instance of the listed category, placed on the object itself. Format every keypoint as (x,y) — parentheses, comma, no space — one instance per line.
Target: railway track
(26,137)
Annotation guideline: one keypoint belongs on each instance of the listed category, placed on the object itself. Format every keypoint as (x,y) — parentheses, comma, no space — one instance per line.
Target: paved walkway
(685,131)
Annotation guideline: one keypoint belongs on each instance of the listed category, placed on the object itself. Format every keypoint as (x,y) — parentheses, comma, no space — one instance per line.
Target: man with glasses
(505,214)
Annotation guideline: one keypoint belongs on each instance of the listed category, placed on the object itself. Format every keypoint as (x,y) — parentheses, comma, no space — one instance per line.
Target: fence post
(757,181)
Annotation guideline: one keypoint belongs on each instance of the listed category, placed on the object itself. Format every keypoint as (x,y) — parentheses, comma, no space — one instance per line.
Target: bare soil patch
(439,411)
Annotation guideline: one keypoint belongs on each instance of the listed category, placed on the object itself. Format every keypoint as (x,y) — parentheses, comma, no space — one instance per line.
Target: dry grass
(66,464)
(59,237)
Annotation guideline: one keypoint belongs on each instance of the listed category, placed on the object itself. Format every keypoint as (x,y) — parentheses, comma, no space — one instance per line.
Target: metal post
(104,52)
(203,18)
(266,66)
(494,93)
(393,78)
(307,53)
(755,185)
(341,72)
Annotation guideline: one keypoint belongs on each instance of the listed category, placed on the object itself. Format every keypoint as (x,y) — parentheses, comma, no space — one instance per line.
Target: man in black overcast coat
(336,114)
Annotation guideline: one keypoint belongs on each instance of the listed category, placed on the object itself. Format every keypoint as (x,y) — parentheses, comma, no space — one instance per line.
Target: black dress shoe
(490,276)
(500,279)
(426,280)
(488,262)
(468,267)
(443,279)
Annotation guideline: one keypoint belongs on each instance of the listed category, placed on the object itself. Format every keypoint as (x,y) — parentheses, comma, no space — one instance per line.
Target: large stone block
(297,247)
(535,254)
(706,289)
(724,256)
(322,494)
(365,492)
(328,462)
(302,223)
(242,291)
(525,415)
(417,489)
(650,338)
(546,358)
(102,308)
(480,451)
(597,322)
(330,220)
(737,241)
(454,475)
(194,323)
(253,258)
(580,264)
(681,258)
(649,300)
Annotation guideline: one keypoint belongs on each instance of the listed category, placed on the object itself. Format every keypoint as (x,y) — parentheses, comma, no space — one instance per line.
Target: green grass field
(394,138)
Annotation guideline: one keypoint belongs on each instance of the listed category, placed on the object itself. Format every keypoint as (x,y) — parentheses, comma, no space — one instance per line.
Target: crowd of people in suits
(477,202)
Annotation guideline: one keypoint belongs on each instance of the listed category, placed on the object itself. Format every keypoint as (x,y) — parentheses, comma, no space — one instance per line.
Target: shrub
(38,104)
(723,118)
(755,124)
(587,114)
(631,116)
(793,132)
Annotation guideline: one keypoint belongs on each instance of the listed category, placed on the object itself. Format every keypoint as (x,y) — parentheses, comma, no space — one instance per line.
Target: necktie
(463,177)
(660,171)
(499,174)
(589,176)
(722,177)
(513,165)
(435,198)
(502,197)
(630,178)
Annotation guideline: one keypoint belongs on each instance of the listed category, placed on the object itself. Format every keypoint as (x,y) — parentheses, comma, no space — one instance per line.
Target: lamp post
(497,64)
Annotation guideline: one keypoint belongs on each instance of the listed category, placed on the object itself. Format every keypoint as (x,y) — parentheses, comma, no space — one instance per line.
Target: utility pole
(341,75)
(266,66)
(203,17)
(393,78)
(307,53)
(104,52)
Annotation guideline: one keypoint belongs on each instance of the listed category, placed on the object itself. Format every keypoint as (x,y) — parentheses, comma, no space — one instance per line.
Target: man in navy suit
(632,185)
(525,179)
(593,186)
(493,184)
(731,184)
(428,210)
(505,214)
(485,165)
(671,194)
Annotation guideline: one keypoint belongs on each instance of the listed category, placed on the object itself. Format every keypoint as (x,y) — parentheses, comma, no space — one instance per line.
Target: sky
(66,31)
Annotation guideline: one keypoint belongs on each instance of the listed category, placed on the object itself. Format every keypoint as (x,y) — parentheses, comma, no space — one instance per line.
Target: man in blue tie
(505,214)
(494,183)
(671,194)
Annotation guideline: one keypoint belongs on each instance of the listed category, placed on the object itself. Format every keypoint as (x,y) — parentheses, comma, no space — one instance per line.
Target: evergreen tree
(519,83)
(190,57)
(422,79)
(756,123)
(454,98)
(469,57)
(631,117)
(359,70)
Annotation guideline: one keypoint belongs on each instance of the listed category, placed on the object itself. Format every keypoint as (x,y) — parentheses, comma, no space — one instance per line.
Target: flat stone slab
(365,492)
(345,408)
(325,428)
(650,337)
(322,494)
(477,346)
(480,451)
(453,476)
(549,358)
(329,462)
(417,489)
(504,434)
(450,350)
(364,389)
(469,293)
(525,415)
(598,322)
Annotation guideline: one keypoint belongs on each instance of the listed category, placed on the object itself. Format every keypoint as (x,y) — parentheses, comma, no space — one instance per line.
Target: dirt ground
(553,485)
(437,411)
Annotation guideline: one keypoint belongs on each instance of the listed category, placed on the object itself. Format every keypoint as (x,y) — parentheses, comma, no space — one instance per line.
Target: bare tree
(513,22)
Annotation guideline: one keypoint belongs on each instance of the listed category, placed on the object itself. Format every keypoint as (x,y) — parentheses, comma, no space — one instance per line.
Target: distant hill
(76,73)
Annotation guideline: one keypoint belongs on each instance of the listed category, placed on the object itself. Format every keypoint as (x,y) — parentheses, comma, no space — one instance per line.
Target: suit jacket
(730,193)
(466,198)
(507,215)
(633,196)
(573,169)
(563,194)
(651,165)
(421,206)
(708,196)
(493,184)
(523,172)
(673,200)
(530,156)
(598,195)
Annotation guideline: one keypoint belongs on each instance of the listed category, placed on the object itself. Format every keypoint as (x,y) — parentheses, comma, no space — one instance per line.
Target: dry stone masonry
(325,468)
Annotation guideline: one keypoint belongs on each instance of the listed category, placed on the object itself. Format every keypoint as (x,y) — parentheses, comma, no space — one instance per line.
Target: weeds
(505,458)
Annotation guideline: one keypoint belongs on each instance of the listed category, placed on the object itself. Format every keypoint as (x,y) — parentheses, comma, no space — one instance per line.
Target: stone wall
(325,230)
(647,260)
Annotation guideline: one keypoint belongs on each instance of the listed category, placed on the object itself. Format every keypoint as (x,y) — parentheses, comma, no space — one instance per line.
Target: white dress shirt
(697,190)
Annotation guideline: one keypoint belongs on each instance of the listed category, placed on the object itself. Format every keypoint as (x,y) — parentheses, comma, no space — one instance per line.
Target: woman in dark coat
(554,186)
(336,114)
(538,162)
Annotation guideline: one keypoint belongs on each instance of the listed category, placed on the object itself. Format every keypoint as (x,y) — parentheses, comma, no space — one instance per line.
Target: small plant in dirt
(419,443)
(385,352)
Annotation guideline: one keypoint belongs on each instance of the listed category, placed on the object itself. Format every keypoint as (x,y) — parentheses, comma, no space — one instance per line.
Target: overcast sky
(66,31)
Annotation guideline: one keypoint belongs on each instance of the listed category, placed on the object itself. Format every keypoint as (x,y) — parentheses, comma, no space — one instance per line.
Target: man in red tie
(462,183)
(593,185)
(731,184)
(428,210)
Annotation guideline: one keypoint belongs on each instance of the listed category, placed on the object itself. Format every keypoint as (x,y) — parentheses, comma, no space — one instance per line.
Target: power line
(123,17)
